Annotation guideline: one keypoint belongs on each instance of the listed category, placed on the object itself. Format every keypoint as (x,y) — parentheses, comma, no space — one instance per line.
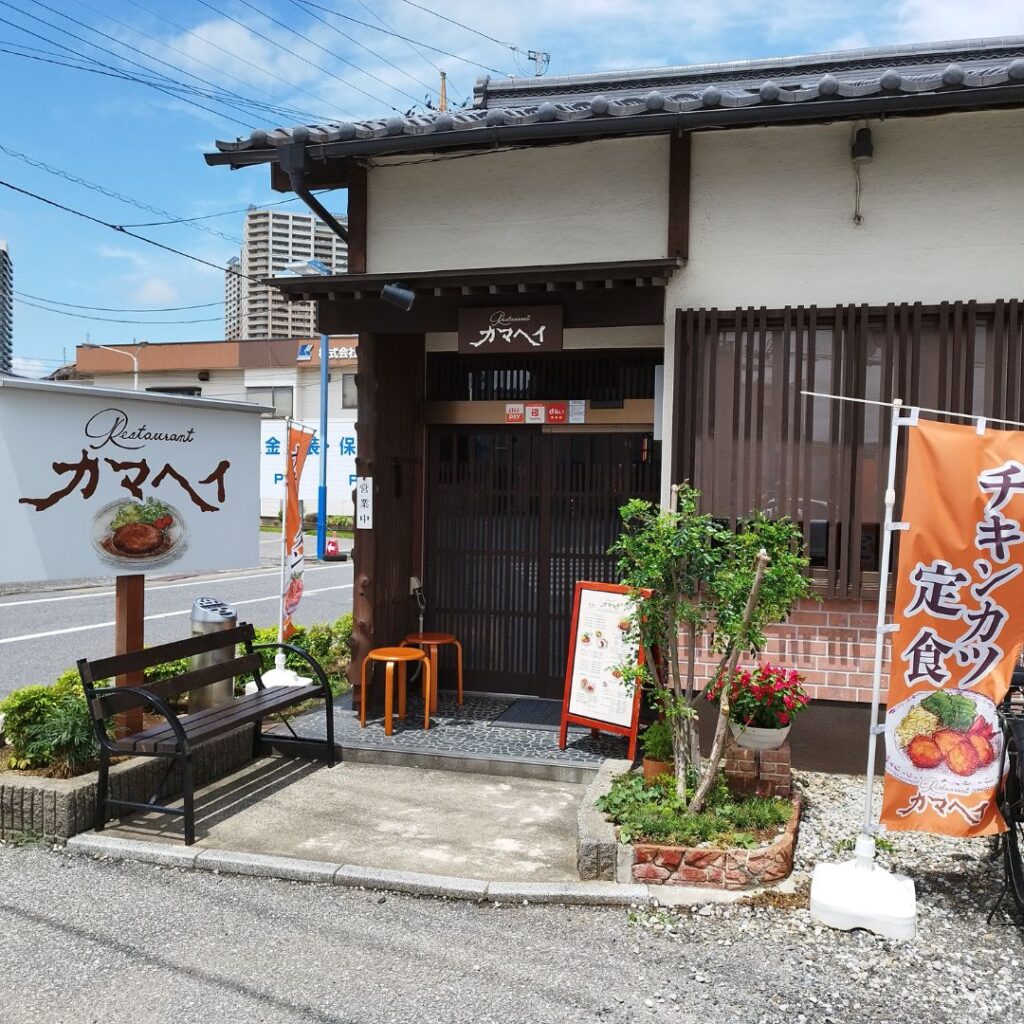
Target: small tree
(705,580)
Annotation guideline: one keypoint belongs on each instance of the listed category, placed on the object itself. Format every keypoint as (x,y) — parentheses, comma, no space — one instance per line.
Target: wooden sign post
(129,635)
(595,694)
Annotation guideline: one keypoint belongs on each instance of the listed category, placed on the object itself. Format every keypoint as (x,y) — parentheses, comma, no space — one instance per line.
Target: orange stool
(431,641)
(392,656)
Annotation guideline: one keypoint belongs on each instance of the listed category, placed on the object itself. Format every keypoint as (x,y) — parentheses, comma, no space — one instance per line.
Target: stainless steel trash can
(208,616)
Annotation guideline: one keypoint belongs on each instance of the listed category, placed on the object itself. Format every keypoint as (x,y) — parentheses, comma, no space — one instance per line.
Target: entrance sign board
(599,644)
(100,482)
(958,610)
(511,329)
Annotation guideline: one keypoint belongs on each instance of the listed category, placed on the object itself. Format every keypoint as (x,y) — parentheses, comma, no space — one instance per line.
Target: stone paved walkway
(467,731)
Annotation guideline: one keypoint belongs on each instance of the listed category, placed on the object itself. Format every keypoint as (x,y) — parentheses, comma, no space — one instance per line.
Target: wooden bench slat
(215,721)
(135,661)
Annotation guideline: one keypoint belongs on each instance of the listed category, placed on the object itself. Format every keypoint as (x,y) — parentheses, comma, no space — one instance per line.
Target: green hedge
(50,726)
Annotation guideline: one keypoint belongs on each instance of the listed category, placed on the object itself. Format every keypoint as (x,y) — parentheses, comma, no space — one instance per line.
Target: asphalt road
(43,632)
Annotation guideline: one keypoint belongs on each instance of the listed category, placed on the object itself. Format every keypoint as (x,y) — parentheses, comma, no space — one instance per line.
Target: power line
(374,53)
(114,320)
(115,309)
(330,53)
(123,231)
(218,91)
(412,46)
(398,35)
(120,72)
(110,193)
(235,56)
(223,213)
(271,107)
(298,56)
(459,24)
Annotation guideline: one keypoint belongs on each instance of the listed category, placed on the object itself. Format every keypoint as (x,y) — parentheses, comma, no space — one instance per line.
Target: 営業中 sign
(511,329)
(364,503)
(101,483)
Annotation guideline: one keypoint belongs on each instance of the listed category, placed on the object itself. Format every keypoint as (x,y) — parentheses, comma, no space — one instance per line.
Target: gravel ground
(95,941)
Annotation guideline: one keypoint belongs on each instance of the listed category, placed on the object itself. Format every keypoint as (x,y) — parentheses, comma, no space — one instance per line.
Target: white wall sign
(341,463)
(364,503)
(98,483)
(577,411)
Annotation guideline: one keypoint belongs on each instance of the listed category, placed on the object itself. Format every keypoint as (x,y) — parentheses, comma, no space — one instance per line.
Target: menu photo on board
(600,646)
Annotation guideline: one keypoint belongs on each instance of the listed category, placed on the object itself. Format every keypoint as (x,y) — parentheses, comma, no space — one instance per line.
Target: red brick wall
(832,644)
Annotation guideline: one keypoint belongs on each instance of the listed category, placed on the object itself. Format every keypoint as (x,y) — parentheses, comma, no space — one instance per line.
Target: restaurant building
(630,279)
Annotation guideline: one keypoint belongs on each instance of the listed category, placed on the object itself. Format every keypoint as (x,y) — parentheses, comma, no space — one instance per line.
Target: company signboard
(341,464)
(101,483)
(510,329)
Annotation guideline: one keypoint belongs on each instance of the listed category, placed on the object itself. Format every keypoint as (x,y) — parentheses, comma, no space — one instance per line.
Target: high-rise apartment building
(272,241)
(234,298)
(6,309)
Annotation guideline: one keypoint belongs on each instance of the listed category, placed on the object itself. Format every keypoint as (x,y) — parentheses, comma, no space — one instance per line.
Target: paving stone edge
(586,893)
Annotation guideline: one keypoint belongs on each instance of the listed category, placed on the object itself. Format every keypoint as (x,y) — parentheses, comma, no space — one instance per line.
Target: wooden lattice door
(514,518)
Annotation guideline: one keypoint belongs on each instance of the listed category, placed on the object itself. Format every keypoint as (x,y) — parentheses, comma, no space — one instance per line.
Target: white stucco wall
(585,202)
(772,214)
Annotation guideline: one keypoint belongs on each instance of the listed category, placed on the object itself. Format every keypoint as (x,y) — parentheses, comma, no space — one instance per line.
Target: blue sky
(145,144)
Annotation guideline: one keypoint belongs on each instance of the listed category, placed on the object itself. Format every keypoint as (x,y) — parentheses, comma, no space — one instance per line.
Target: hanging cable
(235,56)
(398,35)
(114,309)
(121,230)
(111,194)
(298,56)
(114,320)
(120,71)
(373,53)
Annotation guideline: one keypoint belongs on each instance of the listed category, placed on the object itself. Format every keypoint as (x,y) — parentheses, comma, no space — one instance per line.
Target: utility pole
(442,104)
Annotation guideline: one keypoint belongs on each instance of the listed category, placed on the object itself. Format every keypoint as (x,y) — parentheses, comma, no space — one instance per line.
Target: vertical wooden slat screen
(761,443)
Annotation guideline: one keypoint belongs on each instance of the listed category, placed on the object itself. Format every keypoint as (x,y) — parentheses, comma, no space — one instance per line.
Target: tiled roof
(935,76)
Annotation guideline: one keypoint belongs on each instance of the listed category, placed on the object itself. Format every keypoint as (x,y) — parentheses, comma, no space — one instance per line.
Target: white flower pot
(756,738)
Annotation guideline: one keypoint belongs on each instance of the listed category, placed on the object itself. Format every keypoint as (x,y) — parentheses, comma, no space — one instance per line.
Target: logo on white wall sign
(305,353)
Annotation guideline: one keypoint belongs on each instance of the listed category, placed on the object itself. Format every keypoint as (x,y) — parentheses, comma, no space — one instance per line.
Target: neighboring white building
(6,309)
(272,241)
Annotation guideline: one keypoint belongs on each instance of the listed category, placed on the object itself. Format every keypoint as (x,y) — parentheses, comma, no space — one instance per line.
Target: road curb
(257,865)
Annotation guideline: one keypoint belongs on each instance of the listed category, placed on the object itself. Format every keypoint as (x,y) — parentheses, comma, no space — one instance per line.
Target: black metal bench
(175,738)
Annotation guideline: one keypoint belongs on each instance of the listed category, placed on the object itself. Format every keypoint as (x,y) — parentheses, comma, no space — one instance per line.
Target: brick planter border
(56,809)
(719,869)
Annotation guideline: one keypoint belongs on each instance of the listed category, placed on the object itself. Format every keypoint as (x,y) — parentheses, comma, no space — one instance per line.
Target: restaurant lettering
(511,329)
(111,426)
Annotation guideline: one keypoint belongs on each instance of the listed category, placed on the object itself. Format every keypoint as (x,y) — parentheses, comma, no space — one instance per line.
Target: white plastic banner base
(860,894)
(280,677)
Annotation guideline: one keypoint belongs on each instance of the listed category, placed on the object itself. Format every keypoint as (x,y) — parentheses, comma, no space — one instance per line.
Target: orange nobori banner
(299,440)
(959,608)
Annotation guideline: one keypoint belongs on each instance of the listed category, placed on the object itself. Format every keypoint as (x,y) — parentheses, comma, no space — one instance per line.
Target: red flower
(783,718)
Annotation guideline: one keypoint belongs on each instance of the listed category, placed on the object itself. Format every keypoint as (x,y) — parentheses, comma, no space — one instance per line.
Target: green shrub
(24,709)
(657,813)
(63,738)
(657,741)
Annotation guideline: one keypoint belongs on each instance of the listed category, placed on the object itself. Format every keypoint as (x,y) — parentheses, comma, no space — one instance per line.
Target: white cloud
(935,20)
(113,252)
(154,291)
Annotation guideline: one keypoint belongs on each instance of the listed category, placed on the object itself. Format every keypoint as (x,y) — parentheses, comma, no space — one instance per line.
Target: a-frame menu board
(599,644)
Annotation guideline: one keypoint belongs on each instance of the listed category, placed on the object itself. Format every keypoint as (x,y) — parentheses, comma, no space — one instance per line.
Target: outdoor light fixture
(863,149)
(396,294)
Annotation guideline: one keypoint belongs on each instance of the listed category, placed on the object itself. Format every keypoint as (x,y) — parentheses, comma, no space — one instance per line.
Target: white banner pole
(881,628)
(280,657)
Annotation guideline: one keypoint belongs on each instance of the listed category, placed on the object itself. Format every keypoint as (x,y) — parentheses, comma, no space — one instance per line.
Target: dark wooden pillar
(390,451)
(129,636)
